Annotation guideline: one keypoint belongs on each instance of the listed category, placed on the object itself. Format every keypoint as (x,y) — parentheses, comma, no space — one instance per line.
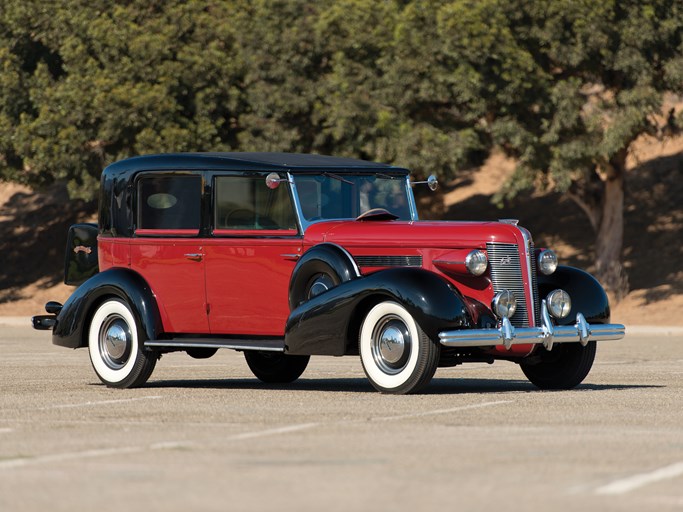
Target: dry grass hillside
(33,232)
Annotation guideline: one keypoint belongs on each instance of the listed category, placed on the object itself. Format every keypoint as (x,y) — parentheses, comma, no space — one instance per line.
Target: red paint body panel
(247,284)
(423,234)
(432,241)
(243,278)
(176,280)
(244,282)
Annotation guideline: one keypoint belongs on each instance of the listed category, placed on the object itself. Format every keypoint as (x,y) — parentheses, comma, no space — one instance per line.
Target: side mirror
(273,180)
(431,182)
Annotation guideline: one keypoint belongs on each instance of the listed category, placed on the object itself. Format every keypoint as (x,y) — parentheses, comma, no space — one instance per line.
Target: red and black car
(285,256)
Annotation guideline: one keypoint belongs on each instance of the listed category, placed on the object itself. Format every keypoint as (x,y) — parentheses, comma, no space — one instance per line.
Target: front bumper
(547,334)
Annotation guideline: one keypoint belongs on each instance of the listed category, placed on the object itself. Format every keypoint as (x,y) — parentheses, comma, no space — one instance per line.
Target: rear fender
(327,324)
(74,318)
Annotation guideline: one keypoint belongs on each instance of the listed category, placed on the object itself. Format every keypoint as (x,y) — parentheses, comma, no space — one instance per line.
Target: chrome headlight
(559,303)
(547,261)
(476,262)
(504,304)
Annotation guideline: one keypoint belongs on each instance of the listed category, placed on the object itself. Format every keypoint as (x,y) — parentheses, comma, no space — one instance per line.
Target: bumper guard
(547,334)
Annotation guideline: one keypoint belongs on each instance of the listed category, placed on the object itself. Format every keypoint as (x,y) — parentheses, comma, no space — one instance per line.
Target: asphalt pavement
(206,435)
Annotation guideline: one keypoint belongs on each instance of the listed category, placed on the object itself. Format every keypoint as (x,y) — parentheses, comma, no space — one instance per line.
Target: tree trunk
(610,236)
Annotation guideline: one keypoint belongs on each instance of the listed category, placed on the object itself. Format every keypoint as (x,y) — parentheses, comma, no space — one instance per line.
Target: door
(167,252)
(250,258)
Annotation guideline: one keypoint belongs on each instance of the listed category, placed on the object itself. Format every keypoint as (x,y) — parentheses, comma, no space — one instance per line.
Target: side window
(169,203)
(246,203)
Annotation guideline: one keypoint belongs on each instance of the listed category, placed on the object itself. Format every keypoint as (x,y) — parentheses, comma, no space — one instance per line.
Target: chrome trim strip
(277,345)
(389,261)
(528,256)
(348,255)
(547,334)
(300,219)
(411,199)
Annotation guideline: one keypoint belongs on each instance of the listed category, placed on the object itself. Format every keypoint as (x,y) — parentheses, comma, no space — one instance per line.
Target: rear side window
(169,203)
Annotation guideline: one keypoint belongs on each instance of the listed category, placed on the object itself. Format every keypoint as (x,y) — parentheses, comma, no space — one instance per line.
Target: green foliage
(564,86)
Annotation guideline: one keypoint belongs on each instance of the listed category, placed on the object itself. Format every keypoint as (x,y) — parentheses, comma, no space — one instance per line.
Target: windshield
(346,196)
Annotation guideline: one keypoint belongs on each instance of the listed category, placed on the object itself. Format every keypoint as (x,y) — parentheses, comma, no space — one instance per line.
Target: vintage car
(285,256)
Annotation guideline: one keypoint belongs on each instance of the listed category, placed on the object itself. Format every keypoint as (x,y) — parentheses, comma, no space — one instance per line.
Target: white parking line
(106,452)
(87,454)
(273,431)
(100,402)
(441,411)
(631,483)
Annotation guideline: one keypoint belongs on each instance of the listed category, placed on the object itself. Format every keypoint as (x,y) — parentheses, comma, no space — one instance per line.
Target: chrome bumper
(547,334)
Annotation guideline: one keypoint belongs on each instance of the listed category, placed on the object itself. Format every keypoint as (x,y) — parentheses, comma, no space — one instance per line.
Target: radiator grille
(534,284)
(506,274)
(389,261)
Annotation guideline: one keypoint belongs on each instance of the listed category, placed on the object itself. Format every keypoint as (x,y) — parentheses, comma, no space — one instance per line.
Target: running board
(267,345)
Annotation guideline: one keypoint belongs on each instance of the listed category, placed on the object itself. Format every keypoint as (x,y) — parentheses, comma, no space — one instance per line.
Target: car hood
(417,234)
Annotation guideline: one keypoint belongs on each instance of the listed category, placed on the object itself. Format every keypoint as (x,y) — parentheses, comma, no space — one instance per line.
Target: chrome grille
(534,283)
(506,274)
(389,261)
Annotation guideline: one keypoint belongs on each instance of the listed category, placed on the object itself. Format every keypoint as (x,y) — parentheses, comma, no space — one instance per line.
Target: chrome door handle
(194,256)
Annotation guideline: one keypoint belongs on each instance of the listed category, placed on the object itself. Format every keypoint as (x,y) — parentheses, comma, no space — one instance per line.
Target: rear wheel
(397,356)
(275,367)
(564,367)
(115,346)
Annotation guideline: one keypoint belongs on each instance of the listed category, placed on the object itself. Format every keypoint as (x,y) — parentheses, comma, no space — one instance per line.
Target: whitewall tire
(115,346)
(397,356)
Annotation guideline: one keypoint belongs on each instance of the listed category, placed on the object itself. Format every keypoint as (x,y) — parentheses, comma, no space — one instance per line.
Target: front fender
(119,282)
(587,295)
(327,324)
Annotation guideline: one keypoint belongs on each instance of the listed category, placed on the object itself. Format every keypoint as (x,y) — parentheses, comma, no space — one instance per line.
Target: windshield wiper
(338,178)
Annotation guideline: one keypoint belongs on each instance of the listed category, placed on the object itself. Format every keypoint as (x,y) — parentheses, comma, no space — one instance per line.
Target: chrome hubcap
(115,342)
(391,344)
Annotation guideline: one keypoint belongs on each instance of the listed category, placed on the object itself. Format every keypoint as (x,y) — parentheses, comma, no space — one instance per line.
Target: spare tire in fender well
(319,258)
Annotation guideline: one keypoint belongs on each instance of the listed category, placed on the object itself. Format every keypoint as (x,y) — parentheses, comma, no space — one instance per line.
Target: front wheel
(564,367)
(397,356)
(116,351)
(275,367)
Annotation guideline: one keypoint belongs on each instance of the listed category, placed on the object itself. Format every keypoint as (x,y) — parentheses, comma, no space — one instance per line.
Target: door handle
(194,256)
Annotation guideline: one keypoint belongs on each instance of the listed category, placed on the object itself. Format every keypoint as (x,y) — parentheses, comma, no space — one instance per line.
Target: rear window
(169,203)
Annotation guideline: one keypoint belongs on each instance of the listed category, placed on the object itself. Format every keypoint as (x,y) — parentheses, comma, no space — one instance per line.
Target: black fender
(329,323)
(587,295)
(74,318)
(321,257)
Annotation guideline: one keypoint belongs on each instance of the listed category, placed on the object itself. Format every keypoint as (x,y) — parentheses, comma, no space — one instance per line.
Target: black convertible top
(289,162)
(117,194)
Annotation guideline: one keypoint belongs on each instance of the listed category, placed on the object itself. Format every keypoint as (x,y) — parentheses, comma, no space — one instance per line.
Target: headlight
(476,262)
(547,261)
(504,304)
(559,303)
